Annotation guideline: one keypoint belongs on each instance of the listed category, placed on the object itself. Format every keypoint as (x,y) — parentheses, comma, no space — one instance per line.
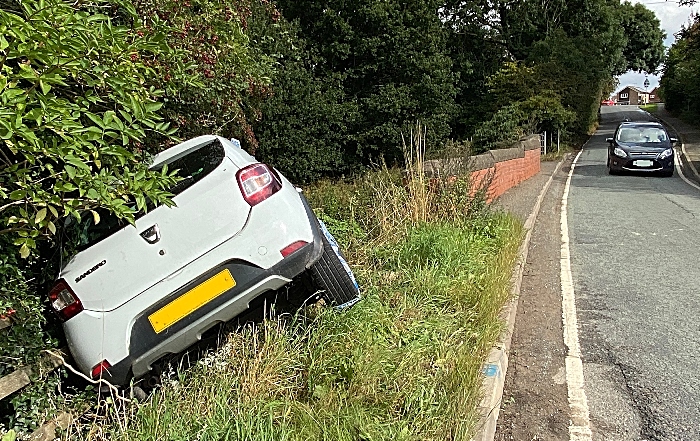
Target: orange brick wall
(508,174)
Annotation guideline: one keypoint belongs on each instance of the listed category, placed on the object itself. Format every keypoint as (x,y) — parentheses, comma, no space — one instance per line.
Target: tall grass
(403,364)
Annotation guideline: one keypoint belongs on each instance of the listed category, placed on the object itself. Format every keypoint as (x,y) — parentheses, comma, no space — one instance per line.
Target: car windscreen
(642,135)
(191,167)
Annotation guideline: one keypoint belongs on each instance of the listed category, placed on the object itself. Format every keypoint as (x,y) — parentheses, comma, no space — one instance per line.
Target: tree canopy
(644,49)
(680,80)
(317,88)
(546,55)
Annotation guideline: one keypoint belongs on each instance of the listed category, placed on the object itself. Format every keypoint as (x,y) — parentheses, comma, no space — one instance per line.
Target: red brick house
(654,96)
(632,95)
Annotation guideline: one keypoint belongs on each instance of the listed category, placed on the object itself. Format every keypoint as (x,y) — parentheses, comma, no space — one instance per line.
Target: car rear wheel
(329,275)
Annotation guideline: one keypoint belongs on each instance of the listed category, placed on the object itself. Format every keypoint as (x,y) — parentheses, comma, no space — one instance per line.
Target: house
(632,95)
(654,96)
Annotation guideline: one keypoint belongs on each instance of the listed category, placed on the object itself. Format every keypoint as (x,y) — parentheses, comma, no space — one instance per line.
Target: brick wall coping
(456,166)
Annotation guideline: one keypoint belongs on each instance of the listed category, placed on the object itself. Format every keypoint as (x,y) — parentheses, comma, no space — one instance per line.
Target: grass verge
(434,264)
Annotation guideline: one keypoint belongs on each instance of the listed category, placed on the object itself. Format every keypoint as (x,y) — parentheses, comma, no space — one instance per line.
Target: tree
(574,60)
(307,120)
(680,80)
(644,48)
(390,58)
(477,50)
(524,23)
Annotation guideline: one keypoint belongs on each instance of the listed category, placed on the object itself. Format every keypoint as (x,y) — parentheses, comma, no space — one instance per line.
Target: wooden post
(20,378)
(47,432)
(10,384)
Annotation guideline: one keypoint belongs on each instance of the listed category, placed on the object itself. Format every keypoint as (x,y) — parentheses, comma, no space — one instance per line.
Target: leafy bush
(501,131)
(23,341)
(306,124)
(75,108)
(233,68)
(76,105)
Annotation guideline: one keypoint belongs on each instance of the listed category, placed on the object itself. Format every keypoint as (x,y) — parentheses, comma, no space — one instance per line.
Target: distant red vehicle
(607,103)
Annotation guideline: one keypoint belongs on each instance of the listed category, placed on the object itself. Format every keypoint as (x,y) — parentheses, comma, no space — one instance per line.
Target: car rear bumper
(146,346)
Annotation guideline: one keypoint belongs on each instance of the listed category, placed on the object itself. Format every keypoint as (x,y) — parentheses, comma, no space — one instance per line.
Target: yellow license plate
(191,301)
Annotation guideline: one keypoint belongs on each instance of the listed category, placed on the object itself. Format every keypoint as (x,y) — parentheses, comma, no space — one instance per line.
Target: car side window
(86,232)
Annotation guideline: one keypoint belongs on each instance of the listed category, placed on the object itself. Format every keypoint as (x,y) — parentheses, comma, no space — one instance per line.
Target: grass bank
(433,263)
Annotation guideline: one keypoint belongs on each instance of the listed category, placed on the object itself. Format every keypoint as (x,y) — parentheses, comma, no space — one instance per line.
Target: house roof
(633,88)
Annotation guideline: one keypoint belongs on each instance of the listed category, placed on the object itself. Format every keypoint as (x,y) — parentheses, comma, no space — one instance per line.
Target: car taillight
(286,251)
(100,368)
(257,182)
(64,301)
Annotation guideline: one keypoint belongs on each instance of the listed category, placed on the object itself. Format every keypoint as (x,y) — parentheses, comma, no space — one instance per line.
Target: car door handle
(152,235)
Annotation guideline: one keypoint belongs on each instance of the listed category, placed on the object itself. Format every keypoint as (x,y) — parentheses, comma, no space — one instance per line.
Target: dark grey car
(643,147)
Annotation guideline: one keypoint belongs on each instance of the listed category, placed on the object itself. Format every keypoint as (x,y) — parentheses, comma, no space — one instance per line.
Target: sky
(672,17)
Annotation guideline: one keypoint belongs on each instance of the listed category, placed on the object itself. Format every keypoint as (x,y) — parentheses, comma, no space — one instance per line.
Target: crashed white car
(134,294)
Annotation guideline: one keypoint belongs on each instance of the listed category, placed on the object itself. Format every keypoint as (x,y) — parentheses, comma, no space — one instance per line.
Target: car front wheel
(331,276)
(610,170)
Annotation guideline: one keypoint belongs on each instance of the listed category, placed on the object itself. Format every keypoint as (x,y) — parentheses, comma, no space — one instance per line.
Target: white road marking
(679,170)
(580,428)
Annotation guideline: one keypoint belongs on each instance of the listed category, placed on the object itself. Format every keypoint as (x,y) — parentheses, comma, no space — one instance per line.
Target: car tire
(610,170)
(667,173)
(328,274)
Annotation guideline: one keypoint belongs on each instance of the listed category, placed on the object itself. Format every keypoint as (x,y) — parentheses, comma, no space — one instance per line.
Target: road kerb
(497,362)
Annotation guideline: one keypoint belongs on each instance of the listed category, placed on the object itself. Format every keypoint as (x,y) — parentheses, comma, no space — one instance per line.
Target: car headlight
(666,153)
(619,152)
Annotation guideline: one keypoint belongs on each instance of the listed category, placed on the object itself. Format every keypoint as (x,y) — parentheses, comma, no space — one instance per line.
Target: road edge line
(496,364)
(579,427)
(679,169)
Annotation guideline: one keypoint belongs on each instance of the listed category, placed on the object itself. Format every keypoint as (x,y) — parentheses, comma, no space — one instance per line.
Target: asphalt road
(635,259)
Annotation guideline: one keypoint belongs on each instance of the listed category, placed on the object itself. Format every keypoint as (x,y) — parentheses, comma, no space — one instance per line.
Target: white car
(134,294)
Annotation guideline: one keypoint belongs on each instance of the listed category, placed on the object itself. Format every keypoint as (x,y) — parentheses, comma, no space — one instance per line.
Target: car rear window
(194,165)
(191,166)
